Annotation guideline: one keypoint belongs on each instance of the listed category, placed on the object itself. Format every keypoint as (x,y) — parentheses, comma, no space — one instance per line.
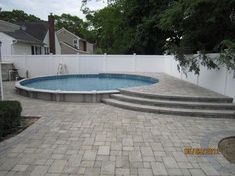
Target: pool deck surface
(96,139)
(169,85)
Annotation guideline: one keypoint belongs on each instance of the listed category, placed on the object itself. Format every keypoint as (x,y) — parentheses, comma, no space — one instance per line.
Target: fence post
(226,81)
(134,62)
(197,80)
(26,72)
(199,58)
(104,63)
(78,63)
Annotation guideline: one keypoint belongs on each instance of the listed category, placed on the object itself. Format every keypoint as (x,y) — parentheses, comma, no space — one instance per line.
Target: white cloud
(41,8)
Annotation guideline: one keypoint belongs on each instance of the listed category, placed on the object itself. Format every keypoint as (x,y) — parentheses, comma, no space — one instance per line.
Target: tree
(199,25)
(130,26)
(143,17)
(109,27)
(17,15)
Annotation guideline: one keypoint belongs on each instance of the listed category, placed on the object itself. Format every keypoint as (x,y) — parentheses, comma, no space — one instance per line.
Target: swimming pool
(82,87)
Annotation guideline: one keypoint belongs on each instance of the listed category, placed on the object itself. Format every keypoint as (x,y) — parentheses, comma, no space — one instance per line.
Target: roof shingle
(22,36)
(36,29)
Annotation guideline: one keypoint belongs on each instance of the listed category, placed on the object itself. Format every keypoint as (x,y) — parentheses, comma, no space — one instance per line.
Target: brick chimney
(51,21)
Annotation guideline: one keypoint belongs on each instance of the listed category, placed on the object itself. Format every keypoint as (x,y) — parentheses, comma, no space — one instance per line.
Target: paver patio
(97,139)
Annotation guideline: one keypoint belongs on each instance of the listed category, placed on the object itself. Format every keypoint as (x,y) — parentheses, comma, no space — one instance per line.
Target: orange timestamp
(201,151)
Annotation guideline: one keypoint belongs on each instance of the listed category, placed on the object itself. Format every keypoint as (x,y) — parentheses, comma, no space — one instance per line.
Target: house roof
(6,26)
(72,47)
(36,29)
(22,36)
(25,32)
(63,29)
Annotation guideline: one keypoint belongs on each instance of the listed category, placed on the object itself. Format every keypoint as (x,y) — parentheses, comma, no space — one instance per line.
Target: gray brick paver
(57,166)
(103,150)
(197,172)
(108,167)
(145,172)
(89,155)
(170,162)
(39,171)
(208,169)
(122,172)
(96,139)
(158,168)
(20,168)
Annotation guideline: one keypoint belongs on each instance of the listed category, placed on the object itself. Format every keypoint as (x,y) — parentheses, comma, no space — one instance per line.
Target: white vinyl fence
(221,81)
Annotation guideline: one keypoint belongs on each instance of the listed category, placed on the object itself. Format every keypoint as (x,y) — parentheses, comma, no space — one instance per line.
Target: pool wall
(89,97)
(71,96)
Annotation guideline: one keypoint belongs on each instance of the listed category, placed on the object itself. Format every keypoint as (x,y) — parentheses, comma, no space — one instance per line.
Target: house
(29,38)
(73,44)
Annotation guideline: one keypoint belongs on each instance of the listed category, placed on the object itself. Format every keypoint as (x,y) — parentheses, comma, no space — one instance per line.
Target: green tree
(130,26)
(199,25)
(109,27)
(17,15)
(143,17)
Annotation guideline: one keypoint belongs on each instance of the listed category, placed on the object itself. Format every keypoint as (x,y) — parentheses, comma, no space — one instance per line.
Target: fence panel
(119,63)
(149,63)
(220,81)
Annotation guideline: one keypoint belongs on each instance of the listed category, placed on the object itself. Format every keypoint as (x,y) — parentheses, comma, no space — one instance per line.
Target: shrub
(10,112)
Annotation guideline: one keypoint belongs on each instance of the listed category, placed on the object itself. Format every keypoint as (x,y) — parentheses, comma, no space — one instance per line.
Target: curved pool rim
(76,96)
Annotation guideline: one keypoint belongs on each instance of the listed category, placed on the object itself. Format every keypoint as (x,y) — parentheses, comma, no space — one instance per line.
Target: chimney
(51,24)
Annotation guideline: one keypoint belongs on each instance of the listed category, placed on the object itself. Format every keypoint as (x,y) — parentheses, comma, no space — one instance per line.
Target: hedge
(10,113)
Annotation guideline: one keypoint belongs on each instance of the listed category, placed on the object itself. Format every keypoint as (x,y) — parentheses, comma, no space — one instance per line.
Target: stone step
(174,104)
(171,111)
(176,97)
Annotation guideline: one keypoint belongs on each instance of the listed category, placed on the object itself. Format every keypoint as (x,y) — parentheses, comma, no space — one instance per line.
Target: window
(84,45)
(46,50)
(36,50)
(32,50)
(75,43)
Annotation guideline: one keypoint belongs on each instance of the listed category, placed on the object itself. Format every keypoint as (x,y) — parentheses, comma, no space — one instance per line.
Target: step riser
(194,114)
(177,98)
(174,105)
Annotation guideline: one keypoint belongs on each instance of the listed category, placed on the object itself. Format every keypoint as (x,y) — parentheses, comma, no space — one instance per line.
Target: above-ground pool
(80,88)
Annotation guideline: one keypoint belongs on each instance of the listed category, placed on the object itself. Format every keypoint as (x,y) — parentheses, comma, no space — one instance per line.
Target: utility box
(6,71)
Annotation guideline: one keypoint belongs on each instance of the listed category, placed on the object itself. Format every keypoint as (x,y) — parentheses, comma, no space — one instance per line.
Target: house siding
(67,50)
(81,45)
(90,47)
(21,49)
(57,44)
(6,44)
(66,37)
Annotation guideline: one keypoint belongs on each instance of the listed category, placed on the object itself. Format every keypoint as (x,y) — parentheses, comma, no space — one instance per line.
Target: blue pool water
(97,82)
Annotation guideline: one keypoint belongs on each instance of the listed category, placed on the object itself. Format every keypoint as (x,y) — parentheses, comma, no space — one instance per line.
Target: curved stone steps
(176,97)
(171,111)
(173,104)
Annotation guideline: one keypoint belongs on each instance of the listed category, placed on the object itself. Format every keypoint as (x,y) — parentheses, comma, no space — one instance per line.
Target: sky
(41,8)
